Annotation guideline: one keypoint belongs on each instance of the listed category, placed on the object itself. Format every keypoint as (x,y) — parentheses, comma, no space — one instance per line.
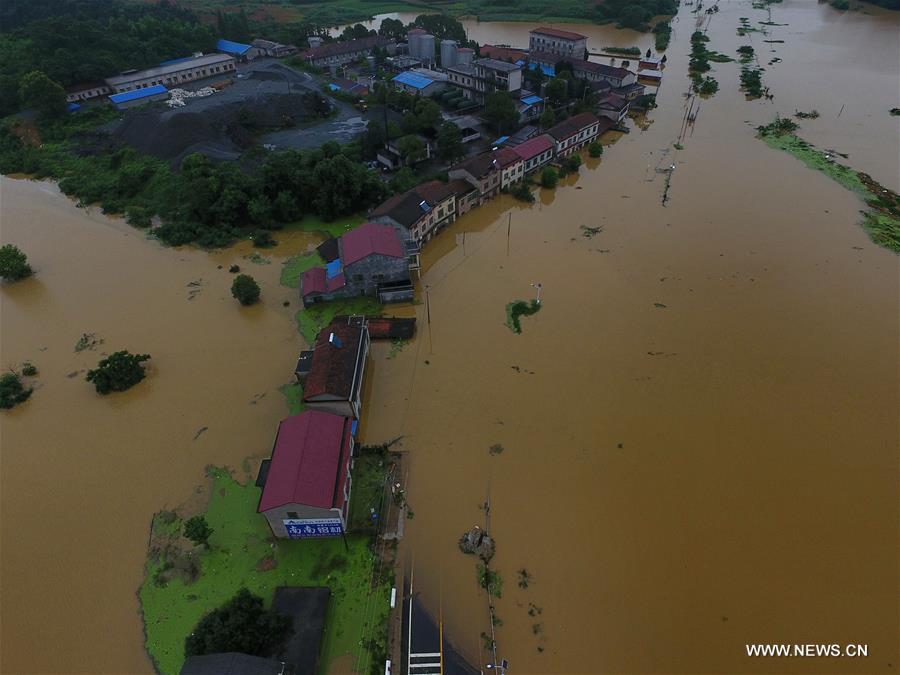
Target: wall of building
(147,78)
(276,516)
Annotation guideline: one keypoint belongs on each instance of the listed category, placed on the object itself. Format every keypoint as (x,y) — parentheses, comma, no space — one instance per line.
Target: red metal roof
(370,238)
(533,147)
(555,32)
(502,53)
(309,457)
(313,281)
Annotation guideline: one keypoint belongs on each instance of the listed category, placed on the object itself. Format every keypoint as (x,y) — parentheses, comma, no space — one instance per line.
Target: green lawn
(369,470)
(336,228)
(241,540)
(294,267)
(293,395)
(312,319)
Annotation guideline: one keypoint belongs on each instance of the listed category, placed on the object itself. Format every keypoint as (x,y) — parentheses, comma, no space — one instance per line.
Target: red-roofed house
(565,43)
(536,152)
(309,476)
(334,381)
(371,261)
(574,133)
(512,167)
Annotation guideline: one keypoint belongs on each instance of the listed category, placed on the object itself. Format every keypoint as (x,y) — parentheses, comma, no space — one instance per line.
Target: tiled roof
(306,460)
(338,48)
(507,157)
(369,239)
(555,32)
(479,165)
(460,187)
(333,367)
(406,208)
(572,126)
(601,69)
(533,147)
(502,53)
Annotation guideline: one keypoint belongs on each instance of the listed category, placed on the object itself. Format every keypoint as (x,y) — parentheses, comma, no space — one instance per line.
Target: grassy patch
(294,267)
(370,470)
(519,308)
(312,319)
(293,397)
(241,542)
(882,220)
(336,228)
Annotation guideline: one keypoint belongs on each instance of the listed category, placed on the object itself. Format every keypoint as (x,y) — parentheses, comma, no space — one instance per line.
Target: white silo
(464,56)
(427,45)
(414,37)
(448,53)
(314,41)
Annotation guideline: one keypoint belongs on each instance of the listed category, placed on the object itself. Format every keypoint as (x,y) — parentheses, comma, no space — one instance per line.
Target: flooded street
(83,474)
(699,428)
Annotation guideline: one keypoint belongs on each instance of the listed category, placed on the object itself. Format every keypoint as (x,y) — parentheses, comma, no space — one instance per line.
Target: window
(292,514)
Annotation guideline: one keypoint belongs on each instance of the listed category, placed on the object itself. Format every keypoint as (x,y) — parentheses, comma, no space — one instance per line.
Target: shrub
(12,391)
(117,372)
(240,625)
(263,239)
(29,369)
(13,263)
(245,289)
(549,178)
(198,530)
(519,308)
(522,192)
(573,162)
(595,149)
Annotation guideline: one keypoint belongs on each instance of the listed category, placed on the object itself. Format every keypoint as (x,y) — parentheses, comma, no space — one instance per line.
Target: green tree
(12,392)
(449,142)
(595,149)
(240,625)
(13,263)
(428,115)
(38,91)
(405,179)
(500,111)
(557,91)
(117,372)
(244,289)
(548,118)
(549,178)
(198,530)
(392,29)
(573,162)
(411,148)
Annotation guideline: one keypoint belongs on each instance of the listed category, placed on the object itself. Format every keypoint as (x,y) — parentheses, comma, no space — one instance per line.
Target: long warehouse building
(173,73)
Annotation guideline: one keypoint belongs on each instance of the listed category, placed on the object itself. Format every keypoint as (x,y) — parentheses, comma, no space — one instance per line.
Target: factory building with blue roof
(420,82)
(238,50)
(130,99)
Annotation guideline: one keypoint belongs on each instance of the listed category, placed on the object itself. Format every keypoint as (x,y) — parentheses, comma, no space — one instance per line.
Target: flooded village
(689,448)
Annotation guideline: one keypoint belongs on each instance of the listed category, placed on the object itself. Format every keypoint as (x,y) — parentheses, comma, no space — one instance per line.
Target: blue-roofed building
(420,82)
(238,50)
(530,106)
(131,99)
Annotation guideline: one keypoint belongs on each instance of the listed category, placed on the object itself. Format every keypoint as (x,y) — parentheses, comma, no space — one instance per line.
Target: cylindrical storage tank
(464,56)
(414,37)
(314,41)
(448,53)
(426,43)
(370,61)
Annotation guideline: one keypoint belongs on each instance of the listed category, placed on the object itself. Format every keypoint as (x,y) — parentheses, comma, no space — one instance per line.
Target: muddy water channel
(83,474)
(699,428)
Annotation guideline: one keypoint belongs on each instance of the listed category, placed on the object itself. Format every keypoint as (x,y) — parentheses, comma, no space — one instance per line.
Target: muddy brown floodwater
(699,427)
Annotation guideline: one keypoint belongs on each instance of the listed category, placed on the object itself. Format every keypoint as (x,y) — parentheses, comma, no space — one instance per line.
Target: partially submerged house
(371,260)
(613,107)
(536,152)
(334,381)
(423,211)
(307,489)
(574,133)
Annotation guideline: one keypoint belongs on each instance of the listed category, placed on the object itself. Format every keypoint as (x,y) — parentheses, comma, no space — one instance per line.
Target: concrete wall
(365,275)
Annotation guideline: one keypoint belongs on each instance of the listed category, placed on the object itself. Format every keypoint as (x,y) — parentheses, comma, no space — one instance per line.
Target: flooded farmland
(698,430)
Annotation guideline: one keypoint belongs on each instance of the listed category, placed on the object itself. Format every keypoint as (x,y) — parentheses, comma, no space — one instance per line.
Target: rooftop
(407,207)
(479,165)
(601,68)
(555,32)
(338,48)
(138,94)
(502,53)
(308,608)
(533,147)
(414,80)
(306,460)
(334,365)
(369,239)
(230,663)
(572,126)
(167,69)
(495,64)
(230,47)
